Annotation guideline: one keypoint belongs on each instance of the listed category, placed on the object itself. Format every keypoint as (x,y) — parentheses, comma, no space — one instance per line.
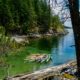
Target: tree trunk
(74,12)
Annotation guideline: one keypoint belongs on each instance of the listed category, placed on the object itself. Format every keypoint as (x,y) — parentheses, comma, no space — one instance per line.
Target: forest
(28,16)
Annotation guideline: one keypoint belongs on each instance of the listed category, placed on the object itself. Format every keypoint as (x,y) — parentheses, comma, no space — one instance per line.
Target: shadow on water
(45,43)
(48,43)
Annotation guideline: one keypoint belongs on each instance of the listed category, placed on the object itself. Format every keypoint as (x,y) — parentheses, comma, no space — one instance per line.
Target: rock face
(20,39)
(34,35)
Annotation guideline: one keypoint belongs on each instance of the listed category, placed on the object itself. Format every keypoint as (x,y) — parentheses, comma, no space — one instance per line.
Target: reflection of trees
(44,44)
(55,42)
(48,43)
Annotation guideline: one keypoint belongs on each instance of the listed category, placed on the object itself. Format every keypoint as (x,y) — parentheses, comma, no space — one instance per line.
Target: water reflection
(44,44)
(59,47)
(48,43)
(64,52)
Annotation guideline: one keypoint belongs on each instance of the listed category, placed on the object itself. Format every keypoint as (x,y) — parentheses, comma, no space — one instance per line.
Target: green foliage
(68,76)
(23,16)
(2,30)
(56,24)
(7,44)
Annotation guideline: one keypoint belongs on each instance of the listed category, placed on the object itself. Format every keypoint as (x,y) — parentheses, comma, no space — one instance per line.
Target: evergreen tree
(23,16)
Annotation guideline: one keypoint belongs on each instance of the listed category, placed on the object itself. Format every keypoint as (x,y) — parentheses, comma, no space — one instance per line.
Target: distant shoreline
(25,38)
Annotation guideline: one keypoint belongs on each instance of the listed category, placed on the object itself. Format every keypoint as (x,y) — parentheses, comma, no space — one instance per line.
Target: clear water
(61,48)
(65,50)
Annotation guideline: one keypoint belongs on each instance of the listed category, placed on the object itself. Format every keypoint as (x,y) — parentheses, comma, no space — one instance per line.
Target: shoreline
(51,71)
(25,38)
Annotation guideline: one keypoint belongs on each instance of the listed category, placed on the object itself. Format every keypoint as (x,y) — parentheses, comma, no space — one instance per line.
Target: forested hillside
(25,16)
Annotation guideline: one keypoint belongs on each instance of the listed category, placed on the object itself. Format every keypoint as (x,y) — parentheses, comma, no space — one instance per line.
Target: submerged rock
(38,58)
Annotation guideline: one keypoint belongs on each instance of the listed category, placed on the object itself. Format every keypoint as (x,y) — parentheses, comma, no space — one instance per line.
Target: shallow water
(65,50)
(61,48)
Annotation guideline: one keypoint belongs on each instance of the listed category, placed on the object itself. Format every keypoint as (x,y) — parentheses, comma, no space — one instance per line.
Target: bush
(7,44)
(2,30)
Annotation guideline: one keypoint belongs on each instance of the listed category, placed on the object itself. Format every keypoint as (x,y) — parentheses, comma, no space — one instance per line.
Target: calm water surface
(61,48)
(65,51)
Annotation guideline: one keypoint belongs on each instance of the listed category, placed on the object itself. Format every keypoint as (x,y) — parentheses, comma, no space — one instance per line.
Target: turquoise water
(61,48)
(65,51)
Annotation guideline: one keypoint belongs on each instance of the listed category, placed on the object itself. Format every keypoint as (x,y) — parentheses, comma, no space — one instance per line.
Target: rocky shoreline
(25,38)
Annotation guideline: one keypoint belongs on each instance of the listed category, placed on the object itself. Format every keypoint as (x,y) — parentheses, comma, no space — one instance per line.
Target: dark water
(61,48)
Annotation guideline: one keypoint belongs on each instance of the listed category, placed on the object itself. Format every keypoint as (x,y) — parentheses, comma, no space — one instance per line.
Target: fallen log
(41,74)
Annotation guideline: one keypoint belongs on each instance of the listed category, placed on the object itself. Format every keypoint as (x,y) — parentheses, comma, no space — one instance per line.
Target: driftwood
(42,74)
